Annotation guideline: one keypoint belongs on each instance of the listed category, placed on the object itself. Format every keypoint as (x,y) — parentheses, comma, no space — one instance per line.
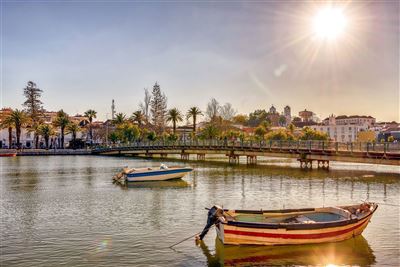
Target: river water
(65,211)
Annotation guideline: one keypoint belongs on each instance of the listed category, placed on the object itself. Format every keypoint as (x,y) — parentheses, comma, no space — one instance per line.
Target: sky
(252,54)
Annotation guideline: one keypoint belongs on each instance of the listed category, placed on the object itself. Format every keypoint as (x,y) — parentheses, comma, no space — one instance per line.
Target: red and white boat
(8,153)
(292,226)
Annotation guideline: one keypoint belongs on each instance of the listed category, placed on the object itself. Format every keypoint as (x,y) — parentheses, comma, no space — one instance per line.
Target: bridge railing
(271,145)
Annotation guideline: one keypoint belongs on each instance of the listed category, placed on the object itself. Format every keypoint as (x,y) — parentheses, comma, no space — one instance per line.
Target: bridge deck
(388,154)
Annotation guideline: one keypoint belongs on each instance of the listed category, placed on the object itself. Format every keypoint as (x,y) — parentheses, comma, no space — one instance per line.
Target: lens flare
(329,23)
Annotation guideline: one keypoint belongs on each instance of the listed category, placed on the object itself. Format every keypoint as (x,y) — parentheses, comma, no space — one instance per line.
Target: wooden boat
(153,174)
(292,226)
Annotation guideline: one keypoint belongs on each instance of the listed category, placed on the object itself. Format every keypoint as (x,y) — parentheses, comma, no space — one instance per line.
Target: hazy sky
(251,54)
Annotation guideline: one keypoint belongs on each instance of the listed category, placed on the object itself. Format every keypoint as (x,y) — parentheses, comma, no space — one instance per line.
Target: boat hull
(8,154)
(161,175)
(257,234)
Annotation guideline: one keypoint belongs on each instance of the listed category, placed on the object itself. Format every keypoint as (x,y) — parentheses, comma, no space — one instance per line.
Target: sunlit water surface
(66,211)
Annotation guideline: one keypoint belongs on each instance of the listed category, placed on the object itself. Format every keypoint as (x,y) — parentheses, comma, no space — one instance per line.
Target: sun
(329,23)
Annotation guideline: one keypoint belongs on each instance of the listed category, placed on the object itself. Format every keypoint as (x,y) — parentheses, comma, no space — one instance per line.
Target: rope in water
(187,238)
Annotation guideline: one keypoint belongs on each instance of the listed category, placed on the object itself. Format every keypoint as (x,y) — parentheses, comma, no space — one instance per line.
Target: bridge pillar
(233,159)
(184,156)
(324,164)
(305,163)
(201,156)
(251,159)
(163,155)
(148,155)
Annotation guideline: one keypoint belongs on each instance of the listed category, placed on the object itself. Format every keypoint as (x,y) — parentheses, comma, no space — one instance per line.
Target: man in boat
(215,215)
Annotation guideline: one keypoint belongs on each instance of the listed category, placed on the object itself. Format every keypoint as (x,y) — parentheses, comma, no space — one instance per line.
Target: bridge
(306,152)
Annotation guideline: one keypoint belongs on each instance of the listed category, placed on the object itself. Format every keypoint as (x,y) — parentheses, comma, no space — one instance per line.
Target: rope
(188,238)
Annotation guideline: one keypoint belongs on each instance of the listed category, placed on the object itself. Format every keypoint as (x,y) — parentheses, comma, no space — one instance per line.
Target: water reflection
(177,183)
(355,251)
(55,210)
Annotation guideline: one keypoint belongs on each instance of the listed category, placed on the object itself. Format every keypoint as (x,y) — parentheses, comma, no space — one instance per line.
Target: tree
(256,117)
(151,136)
(138,117)
(145,105)
(227,112)
(282,120)
(19,119)
(260,131)
(232,135)
(113,137)
(193,112)
(73,128)
(281,135)
(119,118)
(91,114)
(46,130)
(62,121)
(174,115)
(209,132)
(8,123)
(128,132)
(291,128)
(266,124)
(33,107)
(240,119)
(158,109)
(310,134)
(213,109)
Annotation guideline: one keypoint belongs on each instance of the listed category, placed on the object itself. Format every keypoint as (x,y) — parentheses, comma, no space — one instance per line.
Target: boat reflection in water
(355,251)
(176,183)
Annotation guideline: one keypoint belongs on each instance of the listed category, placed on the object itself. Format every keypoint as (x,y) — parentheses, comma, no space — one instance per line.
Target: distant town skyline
(252,55)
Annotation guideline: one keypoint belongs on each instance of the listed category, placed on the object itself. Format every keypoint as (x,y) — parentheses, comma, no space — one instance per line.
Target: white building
(344,120)
(341,133)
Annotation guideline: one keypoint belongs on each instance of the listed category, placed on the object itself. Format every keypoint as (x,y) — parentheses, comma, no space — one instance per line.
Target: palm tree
(8,123)
(46,130)
(90,114)
(193,112)
(119,118)
(73,128)
(210,132)
(62,121)
(138,117)
(19,119)
(174,115)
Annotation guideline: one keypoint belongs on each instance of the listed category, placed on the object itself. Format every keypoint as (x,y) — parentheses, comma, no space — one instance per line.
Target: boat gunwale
(302,226)
(271,211)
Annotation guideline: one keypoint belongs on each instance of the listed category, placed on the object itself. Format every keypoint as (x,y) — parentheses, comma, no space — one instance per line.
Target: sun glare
(329,23)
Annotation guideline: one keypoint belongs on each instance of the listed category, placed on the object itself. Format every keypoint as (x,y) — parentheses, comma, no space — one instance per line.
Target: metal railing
(276,146)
